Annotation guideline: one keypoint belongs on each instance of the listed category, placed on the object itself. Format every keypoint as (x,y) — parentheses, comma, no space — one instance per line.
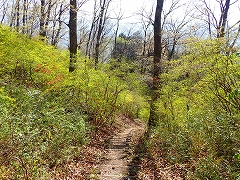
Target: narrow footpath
(118,163)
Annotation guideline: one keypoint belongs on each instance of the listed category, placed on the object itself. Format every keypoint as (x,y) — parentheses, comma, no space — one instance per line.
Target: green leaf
(233,94)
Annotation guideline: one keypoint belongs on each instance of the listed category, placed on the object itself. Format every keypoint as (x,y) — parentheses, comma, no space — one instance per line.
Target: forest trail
(119,156)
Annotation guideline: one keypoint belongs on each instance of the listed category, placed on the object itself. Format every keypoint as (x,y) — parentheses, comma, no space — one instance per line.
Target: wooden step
(116,177)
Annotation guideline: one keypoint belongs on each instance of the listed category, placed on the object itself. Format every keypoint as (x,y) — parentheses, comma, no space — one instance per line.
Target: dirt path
(119,156)
(118,159)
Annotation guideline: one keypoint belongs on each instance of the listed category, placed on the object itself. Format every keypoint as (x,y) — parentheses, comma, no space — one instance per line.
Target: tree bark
(56,32)
(5,7)
(42,20)
(89,41)
(24,17)
(223,20)
(115,40)
(18,15)
(48,13)
(157,63)
(99,33)
(73,35)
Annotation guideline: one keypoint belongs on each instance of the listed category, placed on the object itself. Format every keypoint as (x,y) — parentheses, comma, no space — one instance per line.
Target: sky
(130,7)
(127,7)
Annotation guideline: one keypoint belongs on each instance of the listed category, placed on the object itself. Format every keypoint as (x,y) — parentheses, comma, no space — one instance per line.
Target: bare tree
(119,17)
(15,15)
(157,63)
(146,22)
(104,4)
(91,35)
(42,31)
(4,6)
(73,35)
(96,32)
(83,34)
(223,18)
(24,17)
(57,22)
(176,29)
(210,17)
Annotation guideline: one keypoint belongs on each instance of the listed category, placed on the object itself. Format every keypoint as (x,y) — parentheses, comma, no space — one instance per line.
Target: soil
(118,152)
(109,156)
(119,159)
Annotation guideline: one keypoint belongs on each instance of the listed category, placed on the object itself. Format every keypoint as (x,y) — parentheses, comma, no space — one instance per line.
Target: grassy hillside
(46,113)
(199,113)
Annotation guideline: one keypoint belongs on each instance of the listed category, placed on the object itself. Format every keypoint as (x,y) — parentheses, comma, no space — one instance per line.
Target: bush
(47,113)
(37,134)
(199,111)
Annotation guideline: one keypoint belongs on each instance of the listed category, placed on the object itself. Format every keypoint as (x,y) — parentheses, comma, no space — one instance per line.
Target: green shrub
(38,134)
(46,112)
(199,111)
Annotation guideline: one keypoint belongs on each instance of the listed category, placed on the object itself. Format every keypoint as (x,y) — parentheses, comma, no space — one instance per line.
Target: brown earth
(117,152)
(109,155)
(119,156)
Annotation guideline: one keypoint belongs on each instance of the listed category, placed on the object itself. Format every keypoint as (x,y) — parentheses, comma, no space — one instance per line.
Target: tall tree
(73,35)
(157,62)
(146,21)
(104,4)
(18,14)
(91,34)
(223,18)
(42,31)
(210,17)
(118,18)
(57,23)
(24,17)
(3,8)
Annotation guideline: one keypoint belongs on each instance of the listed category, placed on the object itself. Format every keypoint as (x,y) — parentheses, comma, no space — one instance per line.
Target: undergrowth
(199,112)
(47,113)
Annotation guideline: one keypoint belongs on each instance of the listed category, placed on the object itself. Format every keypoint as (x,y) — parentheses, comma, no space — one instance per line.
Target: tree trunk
(223,20)
(172,50)
(56,35)
(48,17)
(73,35)
(89,41)
(24,17)
(99,33)
(157,63)
(144,42)
(115,40)
(42,20)
(5,8)
(18,15)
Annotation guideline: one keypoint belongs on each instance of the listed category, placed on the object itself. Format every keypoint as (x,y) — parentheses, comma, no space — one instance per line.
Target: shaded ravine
(119,160)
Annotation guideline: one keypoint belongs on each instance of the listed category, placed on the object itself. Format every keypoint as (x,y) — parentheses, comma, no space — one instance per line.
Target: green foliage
(37,134)
(101,94)
(199,110)
(127,47)
(46,112)
(30,61)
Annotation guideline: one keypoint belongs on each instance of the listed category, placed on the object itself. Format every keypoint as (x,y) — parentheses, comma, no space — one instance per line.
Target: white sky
(130,7)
